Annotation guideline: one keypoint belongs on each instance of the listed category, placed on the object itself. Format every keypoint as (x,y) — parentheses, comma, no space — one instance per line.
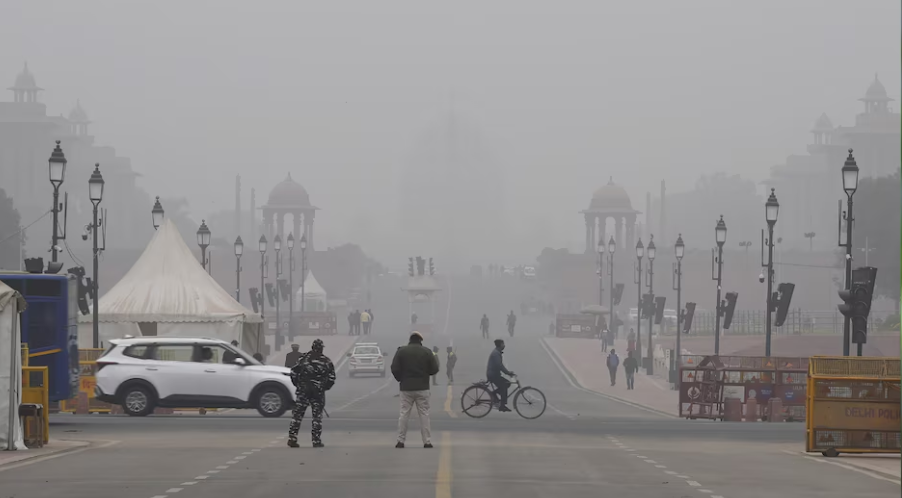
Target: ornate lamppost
(95,193)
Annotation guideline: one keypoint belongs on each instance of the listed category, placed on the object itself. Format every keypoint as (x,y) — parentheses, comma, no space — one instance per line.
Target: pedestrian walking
(449,365)
(351,323)
(604,340)
(291,359)
(631,340)
(511,323)
(484,326)
(412,366)
(413,318)
(435,377)
(372,319)
(365,321)
(630,366)
(312,375)
(357,322)
(613,362)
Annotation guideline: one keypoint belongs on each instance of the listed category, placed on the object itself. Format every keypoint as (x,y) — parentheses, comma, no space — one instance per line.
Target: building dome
(25,80)
(288,193)
(876,92)
(78,114)
(610,197)
(823,123)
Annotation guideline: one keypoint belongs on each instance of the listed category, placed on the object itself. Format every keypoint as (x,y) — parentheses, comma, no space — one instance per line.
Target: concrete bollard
(751,410)
(732,410)
(775,410)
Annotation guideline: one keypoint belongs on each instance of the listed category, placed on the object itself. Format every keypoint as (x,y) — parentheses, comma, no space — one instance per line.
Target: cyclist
(511,322)
(493,373)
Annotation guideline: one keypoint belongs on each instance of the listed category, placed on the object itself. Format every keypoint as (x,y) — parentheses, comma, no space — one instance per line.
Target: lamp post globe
(679,248)
(771,208)
(290,241)
(157,214)
(262,243)
(95,185)
(720,232)
(239,246)
(304,242)
(601,247)
(651,248)
(640,249)
(203,234)
(57,165)
(850,175)
(612,246)
(277,243)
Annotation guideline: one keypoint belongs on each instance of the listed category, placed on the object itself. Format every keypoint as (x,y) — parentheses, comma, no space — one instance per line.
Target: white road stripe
(240,457)
(848,467)
(222,467)
(650,461)
(708,491)
(189,483)
(174,490)
(693,483)
(670,472)
(661,466)
(201,477)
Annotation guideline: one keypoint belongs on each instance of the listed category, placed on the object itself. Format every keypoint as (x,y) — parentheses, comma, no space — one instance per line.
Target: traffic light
(648,305)
(729,308)
(431,267)
(659,309)
(857,302)
(284,290)
(410,266)
(254,298)
(618,293)
(84,289)
(270,294)
(784,297)
(687,317)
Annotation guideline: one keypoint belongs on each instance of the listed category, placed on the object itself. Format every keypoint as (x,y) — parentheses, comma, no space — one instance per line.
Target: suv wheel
(137,401)
(271,401)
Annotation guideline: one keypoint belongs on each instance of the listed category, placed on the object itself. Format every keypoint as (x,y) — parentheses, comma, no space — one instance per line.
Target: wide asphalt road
(585,445)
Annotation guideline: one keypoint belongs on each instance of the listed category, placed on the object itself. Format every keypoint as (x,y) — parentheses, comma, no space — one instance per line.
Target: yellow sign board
(856,415)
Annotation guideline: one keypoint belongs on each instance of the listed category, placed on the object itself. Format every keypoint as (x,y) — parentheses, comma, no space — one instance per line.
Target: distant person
(351,323)
(613,362)
(412,366)
(365,321)
(372,319)
(435,377)
(551,328)
(604,340)
(449,364)
(631,340)
(493,373)
(484,326)
(291,359)
(511,323)
(413,318)
(630,366)
(229,357)
(357,322)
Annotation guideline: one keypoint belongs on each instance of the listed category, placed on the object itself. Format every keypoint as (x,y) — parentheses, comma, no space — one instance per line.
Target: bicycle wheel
(476,401)
(529,403)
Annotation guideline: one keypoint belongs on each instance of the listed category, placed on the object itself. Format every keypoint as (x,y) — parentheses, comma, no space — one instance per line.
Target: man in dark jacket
(313,375)
(630,366)
(291,359)
(493,373)
(449,365)
(412,366)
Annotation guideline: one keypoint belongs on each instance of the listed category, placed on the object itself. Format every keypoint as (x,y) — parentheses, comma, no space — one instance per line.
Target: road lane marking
(848,467)
(671,472)
(693,483)
(661,466)
(212,472)
(240,457)
(361,398)
(189,483)
(173,490)
(159,496)
(31,461)
(650,461)
(443,476)
(683,477)
(707,491)
(231,462)
(223,467)
(448,399)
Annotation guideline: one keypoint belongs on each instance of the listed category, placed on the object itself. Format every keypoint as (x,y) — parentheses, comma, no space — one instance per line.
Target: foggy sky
(566,93)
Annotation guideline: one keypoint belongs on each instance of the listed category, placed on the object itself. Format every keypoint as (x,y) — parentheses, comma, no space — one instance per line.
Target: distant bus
(49,328)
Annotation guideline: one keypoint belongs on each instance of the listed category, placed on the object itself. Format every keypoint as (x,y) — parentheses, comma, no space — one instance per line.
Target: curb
(573,380)
(31,458)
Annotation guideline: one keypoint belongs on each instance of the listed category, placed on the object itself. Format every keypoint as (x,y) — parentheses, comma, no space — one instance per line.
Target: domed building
(78,120)
(26,88)
(289,197)
(610,201)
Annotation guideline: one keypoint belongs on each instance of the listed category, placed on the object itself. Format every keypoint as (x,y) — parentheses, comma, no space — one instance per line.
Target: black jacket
(291,359)
(412,366)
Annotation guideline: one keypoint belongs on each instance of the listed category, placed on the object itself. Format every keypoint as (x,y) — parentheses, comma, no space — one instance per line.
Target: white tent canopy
(314,294)
(11,305)
(168,293)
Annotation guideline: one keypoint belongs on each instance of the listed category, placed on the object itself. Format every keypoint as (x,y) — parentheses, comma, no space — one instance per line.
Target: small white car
(140,374)
(529,273)
(366,357)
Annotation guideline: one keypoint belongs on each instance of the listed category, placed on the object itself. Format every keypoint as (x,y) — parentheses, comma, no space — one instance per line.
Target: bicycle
(479,399)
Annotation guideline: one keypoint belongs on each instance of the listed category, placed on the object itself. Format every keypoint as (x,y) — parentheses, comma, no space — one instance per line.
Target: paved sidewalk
(55,446)
(585,361)
(336,347)
(886,465)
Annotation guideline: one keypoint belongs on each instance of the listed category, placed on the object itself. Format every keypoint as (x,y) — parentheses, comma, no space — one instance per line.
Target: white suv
(366,358)
(140,374)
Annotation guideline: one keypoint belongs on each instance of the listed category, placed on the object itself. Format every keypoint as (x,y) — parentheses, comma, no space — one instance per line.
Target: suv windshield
(367,350)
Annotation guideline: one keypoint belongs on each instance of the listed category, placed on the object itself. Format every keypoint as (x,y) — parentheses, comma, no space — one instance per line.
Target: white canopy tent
(168,293)
(11,304)
(314,294)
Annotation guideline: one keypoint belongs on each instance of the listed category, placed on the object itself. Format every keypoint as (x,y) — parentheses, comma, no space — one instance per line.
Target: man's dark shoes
(292,443)
(318,444)
(503,409)
(399,445)
(427,445)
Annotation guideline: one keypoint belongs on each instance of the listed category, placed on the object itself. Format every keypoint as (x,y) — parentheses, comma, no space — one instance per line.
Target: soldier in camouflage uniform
(313,375)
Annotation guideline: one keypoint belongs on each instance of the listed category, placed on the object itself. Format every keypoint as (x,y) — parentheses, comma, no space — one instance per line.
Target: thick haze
(564,95)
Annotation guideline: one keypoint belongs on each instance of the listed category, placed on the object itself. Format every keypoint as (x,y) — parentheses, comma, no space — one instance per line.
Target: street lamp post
(277,246)
(303,272)
(601,250)
(290,286)
(640,251)
(157,214)
(651,290)
(239,250)
(203,240)
(679,249)
(849,185)
(771,210)
(612,246)
(720,236)
(262,245)
(57,176)
(95,192)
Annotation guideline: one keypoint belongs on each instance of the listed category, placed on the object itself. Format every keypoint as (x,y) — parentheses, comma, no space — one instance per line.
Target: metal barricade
(84,401)
(36,391)
(853,405)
